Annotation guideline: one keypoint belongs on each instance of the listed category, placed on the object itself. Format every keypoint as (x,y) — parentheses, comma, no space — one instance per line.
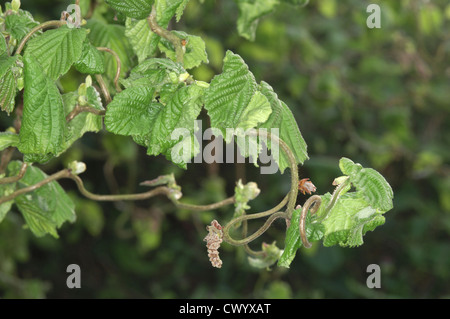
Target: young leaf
(180,9)
(91,61)
(232,100)
(369,183)
(10,72)
(314,232)
(195,50)
(46,208)
(283,119)
(8,140)
(349,219)
(57,50)
(138,9)
(142,39)
(132,111)
(155,73)
(180,112)
(19,24)
(8,91)
(84,122)
(270,257)
(249,14)
(6,190)
(43,122)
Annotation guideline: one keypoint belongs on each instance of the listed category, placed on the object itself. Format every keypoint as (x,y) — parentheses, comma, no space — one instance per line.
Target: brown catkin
(213,241)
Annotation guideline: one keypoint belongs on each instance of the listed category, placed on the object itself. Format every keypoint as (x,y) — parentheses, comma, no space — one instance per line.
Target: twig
(48,24)
(119,66)
(13,179)
(271,212)
(103,88)
(80,109)
(172,38)
(315,200)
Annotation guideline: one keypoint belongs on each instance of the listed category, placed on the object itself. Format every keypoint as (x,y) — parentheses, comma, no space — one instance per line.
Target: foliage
(149,82)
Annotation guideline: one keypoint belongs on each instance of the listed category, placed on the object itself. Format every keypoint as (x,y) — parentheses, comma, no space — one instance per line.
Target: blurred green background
(378,96)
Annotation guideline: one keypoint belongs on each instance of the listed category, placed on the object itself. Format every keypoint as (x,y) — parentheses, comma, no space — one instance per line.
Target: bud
(15,5)
(77,167)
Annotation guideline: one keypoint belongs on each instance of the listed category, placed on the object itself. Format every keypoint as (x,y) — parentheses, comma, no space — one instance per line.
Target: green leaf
(92,61)
(195,50)
(180,112)
(250,12)
(6,190)
(8,140)
(10,72)
(57,50)
(142,39)
(283,119)
(153,124)
(138,9)
(19,24)
(243,194)
(8,91)
(132,111)
(84,122)
(3,46)
(349,219)
(111,36)
(232,99)
(154,73)
(270,257)
(43,122)
(166,9)
(180,9)
(314,232)
(369,184)
(45,209)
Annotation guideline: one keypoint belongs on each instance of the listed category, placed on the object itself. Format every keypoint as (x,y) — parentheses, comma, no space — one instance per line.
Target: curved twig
(271,212)
(103,88)
(315,200)
(119,66)
(166,34)
(80,109)
(13,179)
(48,24)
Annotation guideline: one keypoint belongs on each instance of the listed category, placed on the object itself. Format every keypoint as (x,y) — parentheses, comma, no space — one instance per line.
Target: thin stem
(48,24)
(172,38)
(315,200)
(61,174)
(259,232)
(119,66)
(80,109)
(126,197)
(103,88)
(13,179)
(225,202)
(293,192)
(334,197)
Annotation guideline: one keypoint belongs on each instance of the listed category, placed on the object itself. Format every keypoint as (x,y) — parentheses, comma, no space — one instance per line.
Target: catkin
(213,241)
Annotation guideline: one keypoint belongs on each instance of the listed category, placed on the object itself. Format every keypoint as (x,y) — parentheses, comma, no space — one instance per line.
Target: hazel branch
(48,24)
(166,34)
